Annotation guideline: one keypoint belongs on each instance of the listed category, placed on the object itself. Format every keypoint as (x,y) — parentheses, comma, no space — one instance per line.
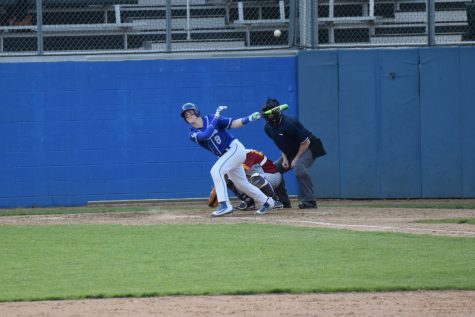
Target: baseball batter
(211,133)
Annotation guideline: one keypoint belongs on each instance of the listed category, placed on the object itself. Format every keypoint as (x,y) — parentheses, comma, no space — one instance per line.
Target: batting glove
(255,116)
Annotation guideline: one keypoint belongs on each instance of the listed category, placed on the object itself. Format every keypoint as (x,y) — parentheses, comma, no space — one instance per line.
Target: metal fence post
(431,22)
(39,26)
(169,26)
(292,22)
(188,34)
(314,23)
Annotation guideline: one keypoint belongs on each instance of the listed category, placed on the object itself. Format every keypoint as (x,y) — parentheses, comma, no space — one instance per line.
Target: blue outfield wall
(397,123)
(73,132)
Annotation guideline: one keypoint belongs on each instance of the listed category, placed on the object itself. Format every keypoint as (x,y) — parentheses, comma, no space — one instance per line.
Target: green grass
(94,261)
(470,221)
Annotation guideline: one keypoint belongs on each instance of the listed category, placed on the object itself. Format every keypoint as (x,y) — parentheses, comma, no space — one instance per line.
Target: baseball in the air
(277,33)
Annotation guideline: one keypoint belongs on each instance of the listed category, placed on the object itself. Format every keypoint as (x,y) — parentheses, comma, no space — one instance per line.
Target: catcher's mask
(275,117)
(189,106)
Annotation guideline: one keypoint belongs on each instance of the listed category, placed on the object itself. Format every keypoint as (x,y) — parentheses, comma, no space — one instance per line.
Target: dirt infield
(357,216)
(410,304)
(351,215)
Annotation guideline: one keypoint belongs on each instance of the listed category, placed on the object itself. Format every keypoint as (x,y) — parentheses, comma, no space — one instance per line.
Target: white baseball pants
(230,163)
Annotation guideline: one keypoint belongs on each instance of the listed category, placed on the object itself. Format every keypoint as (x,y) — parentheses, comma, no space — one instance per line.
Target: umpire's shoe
(223,208)
(308,205)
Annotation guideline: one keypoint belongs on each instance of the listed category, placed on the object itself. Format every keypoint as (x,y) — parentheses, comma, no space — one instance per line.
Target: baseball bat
(276,109)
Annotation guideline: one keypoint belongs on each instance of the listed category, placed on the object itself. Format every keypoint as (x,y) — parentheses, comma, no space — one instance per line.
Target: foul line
(329,224)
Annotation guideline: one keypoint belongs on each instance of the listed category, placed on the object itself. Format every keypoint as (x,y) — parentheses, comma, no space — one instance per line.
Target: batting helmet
(189,106)
(275,117)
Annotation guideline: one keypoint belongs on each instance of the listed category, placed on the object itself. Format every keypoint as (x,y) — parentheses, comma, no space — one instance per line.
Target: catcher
(263,174)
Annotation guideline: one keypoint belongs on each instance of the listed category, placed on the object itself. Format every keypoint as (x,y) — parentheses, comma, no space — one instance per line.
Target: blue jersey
(219,140)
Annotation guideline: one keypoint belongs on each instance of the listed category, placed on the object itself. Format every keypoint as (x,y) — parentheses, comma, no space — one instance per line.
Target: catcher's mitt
(213,198)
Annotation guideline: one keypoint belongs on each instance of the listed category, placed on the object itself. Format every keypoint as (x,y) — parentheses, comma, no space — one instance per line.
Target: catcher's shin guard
(269,192)
(260,182)
(250,204)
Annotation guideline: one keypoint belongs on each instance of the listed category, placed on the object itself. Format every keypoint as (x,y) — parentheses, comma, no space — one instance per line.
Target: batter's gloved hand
(255,116)
(219,110)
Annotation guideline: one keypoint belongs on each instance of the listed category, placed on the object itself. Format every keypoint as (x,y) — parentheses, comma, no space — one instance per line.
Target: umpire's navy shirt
(288,136)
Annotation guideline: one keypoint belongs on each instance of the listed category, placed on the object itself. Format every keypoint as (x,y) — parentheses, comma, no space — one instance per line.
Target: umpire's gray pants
(302,173)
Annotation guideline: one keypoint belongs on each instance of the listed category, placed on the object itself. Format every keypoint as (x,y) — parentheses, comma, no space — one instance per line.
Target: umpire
(299,150)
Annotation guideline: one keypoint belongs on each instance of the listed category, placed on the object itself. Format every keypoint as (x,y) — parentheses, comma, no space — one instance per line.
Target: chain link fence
(46,27)
(406,22)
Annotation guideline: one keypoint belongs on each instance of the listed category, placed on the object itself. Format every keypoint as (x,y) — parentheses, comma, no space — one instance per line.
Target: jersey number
(217,139)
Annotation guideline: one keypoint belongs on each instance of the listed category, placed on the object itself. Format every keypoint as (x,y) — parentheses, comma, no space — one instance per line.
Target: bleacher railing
(53,27)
